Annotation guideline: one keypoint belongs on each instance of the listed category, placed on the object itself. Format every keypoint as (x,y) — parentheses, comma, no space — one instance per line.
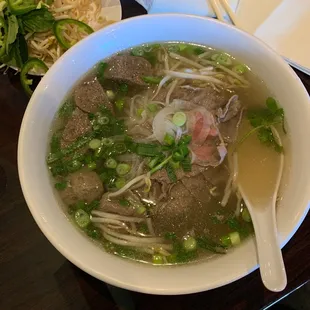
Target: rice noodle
(133,227)
(108,221)
(127,186)
(135,244)
(142,240)
(194,77)
(118,217)
(150,226)
(164,252)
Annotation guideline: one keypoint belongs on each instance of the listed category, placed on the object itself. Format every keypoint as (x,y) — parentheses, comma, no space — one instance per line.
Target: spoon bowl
(260,196)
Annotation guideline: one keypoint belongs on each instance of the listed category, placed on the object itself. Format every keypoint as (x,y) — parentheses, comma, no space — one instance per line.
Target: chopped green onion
(81,218)
(93,232)
(179,119)
(148,48)
(235,238)
(186,164)
(161,165)
(231,239)
(222,59)
(246,215)
(122,169)
(124,202)
(191,49)
(183,47)
(88,207)
(107,141)
(153,162)
(119,183)
(98,152)
(184,150)
(92,166)
(110,94)
(199,50)
(174,164)
(171,173)
(144,149)
(111,163)
(157,259)
(177,156)
(103,120)
(123,88)
(94,144)
(74,166)
(152,79)
(152,107)
(170,236)
(168,139)
(60,186)
(139,112)
(119,103)
(100,71)
(240,69)
(185,139)
(137,51)
(225,240)
(175,48)
(189,243)
(140,210)
(120,148)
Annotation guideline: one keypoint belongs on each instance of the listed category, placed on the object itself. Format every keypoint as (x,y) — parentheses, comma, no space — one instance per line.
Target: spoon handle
(269,253)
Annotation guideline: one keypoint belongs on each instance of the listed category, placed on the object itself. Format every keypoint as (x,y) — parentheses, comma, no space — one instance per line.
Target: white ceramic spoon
(263,214)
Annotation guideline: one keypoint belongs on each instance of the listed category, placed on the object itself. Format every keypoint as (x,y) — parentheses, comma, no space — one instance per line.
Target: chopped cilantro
(262,121)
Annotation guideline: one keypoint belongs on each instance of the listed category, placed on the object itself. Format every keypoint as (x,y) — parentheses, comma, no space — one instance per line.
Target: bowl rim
(31,204)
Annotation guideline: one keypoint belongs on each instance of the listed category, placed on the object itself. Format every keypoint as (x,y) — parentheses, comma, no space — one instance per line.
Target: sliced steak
(173,216)
(210,153)
(232,108)
(186,211)
(128,69)
(113,206)
(82,185)
(229,129)
(161,176)
(197,187)
(90,95)
(77,125)
(216,176)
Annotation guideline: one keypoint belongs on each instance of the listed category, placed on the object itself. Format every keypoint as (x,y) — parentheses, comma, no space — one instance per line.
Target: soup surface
(144,151)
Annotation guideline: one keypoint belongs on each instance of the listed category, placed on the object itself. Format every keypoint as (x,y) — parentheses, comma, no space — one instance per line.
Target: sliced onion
(161,125)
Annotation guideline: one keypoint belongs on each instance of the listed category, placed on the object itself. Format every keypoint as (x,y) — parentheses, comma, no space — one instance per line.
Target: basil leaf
(40,20)
(23,48)
(18,52)
(12,31)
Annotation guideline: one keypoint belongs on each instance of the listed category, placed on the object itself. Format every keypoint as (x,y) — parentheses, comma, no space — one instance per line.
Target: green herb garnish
(262,121)
(171,173)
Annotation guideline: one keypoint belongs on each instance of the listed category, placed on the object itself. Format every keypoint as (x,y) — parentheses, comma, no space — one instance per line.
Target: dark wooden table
(33,275)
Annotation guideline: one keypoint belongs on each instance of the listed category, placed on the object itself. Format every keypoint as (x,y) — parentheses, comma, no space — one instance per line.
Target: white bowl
(44,103)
